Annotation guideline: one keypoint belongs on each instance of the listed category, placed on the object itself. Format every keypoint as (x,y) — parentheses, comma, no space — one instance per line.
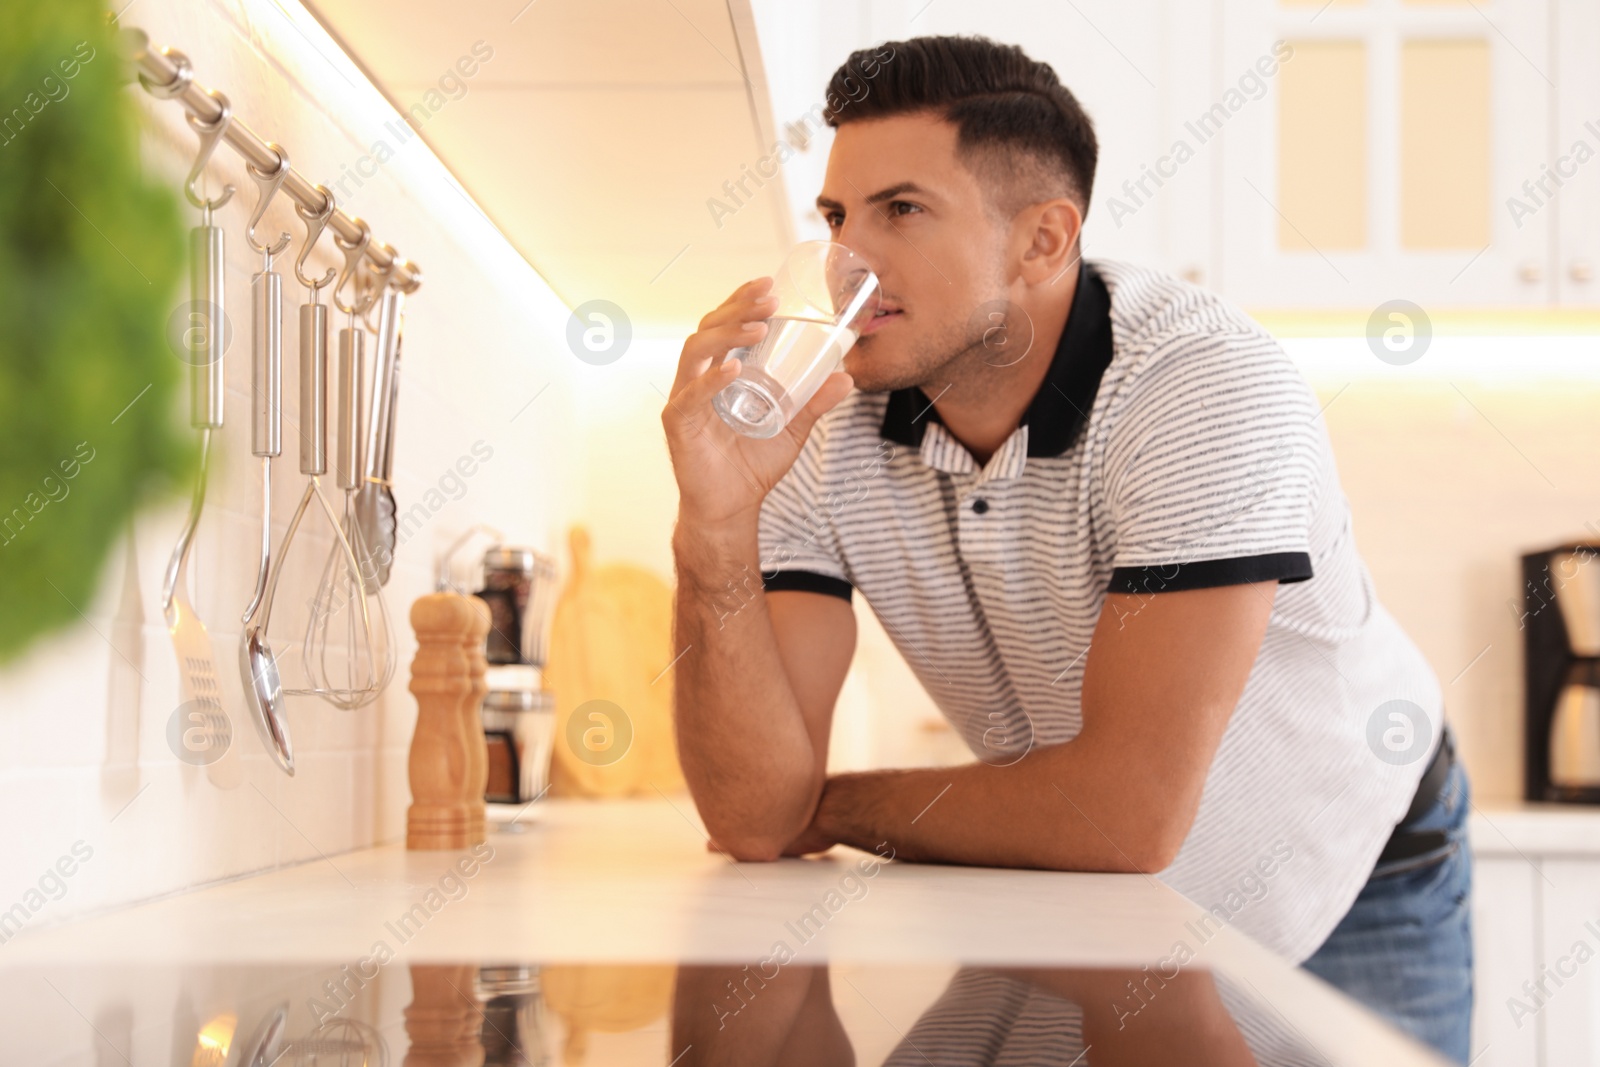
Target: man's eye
(836,218)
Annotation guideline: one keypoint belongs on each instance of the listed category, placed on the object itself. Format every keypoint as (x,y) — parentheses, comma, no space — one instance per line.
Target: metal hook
(315,222)
(269,184)
(394,260)
(352,259)
(415,273)
(374,281)
(211,134)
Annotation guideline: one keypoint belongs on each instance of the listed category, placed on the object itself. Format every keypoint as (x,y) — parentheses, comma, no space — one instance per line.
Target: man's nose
(864,245)
(857,235)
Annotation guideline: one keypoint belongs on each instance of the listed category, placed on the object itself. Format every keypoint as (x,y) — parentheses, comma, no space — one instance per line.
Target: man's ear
(1048,233)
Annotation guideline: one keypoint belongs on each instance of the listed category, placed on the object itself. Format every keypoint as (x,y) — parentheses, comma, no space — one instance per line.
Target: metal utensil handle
(266,319)
(180,552)
(313,389)
(207,338)
(387,466)
(352,380)
(382,397)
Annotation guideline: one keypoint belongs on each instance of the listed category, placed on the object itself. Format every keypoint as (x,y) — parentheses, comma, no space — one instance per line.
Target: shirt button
(980,506)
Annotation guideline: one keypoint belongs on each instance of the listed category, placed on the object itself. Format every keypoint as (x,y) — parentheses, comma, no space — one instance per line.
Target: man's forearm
(1058,808)
(1158,691)
(742,739)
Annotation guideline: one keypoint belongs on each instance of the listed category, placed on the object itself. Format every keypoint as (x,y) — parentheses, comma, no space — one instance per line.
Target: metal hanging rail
(168,73)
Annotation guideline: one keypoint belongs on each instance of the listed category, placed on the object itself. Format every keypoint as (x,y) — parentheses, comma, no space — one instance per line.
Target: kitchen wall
(486,378)
(1486,448)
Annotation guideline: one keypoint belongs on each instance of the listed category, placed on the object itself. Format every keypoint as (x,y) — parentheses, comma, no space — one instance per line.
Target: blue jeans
(1405,947)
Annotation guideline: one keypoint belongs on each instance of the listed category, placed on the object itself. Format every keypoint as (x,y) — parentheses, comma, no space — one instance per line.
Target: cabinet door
(1570,967)
(1574,211)
(1379,163)
(1505,951)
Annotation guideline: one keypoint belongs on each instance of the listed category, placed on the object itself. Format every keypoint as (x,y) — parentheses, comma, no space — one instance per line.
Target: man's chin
(866,370)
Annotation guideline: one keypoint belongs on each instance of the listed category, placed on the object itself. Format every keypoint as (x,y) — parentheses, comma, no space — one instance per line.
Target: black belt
(1406,842)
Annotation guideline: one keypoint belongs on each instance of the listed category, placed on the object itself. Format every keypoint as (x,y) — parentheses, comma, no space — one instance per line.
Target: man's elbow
(1149,849)
(752,849)
(757,825)
(740,840)
(1153,858)
(1158,846)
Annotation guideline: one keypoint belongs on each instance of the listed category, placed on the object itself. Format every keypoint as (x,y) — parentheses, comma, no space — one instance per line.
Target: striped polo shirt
(1172,445)
(994,1019)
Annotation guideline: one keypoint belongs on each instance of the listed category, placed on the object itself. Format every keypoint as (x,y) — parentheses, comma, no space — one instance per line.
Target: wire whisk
(348,651)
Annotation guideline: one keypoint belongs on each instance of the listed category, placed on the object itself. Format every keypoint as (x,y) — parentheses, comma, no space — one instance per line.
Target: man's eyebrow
(825,204)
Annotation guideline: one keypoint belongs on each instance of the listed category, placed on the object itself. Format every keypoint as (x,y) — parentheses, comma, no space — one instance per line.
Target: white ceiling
(594,136)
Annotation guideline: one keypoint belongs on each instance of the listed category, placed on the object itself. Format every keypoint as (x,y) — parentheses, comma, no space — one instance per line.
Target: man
(1096,510)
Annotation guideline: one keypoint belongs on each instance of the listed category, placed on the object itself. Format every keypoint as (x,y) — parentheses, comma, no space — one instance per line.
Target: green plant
(90,254)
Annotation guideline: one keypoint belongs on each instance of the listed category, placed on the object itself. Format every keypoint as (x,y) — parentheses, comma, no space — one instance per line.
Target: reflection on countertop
(766,1012)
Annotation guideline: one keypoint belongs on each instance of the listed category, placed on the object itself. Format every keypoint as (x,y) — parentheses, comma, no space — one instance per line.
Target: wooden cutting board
(610,642)
(610,999)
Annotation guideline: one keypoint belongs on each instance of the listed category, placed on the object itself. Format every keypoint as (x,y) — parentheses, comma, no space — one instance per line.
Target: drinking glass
(826,293)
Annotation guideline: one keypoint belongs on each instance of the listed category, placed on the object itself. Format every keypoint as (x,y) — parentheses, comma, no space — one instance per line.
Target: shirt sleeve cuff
(806,582)
(1210,573)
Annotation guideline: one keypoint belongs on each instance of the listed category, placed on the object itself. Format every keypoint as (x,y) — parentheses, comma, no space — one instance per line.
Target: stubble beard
(955,361)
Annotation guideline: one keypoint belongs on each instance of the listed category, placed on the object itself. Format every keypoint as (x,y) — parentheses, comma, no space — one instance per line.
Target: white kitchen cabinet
(1505,943)
(1536,928)
(1380,164)
(1574,220)
(1570,964)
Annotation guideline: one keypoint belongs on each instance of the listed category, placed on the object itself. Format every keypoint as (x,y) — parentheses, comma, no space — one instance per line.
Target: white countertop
(632,881)
(1522,828)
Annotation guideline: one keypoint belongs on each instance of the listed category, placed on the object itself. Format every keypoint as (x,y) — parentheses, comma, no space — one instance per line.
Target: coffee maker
(1560,618)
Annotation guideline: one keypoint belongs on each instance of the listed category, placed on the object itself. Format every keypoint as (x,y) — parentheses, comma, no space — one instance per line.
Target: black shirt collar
(1059,409)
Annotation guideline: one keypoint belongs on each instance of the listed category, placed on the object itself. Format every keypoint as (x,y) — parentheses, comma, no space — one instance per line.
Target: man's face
(896,193)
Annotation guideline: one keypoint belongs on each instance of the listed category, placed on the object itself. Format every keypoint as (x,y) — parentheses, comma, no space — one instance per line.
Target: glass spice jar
(507,584)
(518,728)
(519,587)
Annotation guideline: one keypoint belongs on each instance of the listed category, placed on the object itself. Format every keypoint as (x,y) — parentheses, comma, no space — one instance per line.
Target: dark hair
(1016,123)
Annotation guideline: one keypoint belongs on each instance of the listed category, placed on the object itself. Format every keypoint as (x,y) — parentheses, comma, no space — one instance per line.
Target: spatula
(206,734)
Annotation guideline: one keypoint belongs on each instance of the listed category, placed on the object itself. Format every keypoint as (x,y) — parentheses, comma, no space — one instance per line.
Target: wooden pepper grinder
(443,764)
(442,1018)
(472,716)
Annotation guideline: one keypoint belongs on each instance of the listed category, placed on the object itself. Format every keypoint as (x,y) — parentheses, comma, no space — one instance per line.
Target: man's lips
(877,322)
